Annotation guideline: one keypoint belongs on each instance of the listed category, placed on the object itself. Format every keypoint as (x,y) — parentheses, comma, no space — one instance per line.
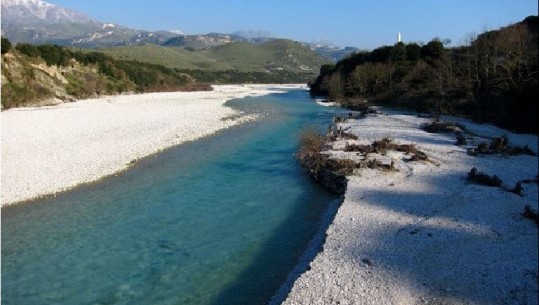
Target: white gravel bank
(425,235)
(51,149)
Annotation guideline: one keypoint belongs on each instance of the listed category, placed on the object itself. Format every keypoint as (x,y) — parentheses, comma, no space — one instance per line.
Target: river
(221,220)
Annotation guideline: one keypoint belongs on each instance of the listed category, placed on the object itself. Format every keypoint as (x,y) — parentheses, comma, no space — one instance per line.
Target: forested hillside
(495,78)
(46,74)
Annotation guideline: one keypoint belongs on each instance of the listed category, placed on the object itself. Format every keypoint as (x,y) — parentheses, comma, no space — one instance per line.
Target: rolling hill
(173,57)
(274,55)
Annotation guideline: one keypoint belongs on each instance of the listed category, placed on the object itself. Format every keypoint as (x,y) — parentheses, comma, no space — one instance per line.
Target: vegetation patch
(494,78)
(518,189)
(382,146)
(483,179)
(332,172)
(440,127)
(339,134)
(461,139)
(529,213)
(15,95)
(500,145)
(71,74)
(329,173)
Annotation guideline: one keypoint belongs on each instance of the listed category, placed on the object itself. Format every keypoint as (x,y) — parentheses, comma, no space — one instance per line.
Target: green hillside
(273,56)
(276,55)
(49,74)
(172,57)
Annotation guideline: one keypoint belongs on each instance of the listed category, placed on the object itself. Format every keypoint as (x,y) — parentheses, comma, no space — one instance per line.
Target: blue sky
(364,24)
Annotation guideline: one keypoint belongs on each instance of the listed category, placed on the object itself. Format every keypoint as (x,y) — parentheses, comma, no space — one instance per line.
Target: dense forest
(494,78)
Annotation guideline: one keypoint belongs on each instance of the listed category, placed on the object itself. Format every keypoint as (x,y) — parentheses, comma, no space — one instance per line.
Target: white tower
(398,37)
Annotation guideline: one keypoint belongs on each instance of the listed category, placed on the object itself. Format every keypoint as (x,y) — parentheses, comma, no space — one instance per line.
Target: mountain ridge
(38,11)
(40,22)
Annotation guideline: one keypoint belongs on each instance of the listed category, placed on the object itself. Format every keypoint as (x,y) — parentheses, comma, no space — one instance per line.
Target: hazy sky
(364,24)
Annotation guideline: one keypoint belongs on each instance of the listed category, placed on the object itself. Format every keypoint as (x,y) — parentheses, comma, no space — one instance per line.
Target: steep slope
(48,74)
(30,81)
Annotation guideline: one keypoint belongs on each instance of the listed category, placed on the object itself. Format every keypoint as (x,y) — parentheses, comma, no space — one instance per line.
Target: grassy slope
(274,55)
(171,57)
(245,57)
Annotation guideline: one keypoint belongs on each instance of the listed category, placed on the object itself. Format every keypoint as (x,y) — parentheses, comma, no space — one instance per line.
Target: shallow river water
(221,220)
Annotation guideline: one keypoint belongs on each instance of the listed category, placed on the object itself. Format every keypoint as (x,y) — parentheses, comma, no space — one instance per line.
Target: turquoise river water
(221,220)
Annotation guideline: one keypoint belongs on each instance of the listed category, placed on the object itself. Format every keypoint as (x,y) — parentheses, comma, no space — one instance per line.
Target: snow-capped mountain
(37,21)
(37,11)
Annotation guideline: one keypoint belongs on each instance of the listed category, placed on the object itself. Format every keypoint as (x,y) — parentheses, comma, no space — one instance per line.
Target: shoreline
(422,233)
(418,235)
(52,149)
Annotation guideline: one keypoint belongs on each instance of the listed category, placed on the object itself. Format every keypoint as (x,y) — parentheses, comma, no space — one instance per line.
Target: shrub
(499,146)
(27,49)
(14,95)
(437,127)
(531,214)
(311,146)
(461,139)
(483,179)
(6,45)
(330,173)
(54,55)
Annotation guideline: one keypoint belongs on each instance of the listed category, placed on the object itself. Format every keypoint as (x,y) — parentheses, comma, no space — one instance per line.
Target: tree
(6,45)
(326,69)
(398,53)
(413,52)
(54,55)
(27,49)
(359,81)
(381,54)
(432,50)
(336,87)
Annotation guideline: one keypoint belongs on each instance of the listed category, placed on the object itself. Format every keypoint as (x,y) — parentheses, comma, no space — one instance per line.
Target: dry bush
(330,173)
(517,189)
(500,145)
(483,179)
(531,214)
(342,166)
(461,140)
(382,146)
(438,127)
(311,146)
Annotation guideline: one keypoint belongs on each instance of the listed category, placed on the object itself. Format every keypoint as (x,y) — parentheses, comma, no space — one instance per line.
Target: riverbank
(52,149)
(421,232)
